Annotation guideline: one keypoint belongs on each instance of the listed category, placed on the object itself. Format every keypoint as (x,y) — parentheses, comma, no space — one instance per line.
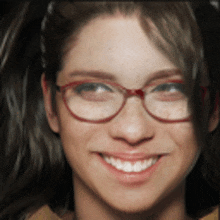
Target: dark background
(5,6)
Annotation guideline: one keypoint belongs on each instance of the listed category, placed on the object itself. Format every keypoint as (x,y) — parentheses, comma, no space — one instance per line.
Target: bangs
(174,31)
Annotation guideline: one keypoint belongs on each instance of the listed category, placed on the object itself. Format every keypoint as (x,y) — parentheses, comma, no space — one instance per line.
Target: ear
(51,115)
(214,120)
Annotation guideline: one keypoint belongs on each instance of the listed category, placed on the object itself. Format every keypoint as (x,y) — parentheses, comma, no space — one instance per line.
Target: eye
(168,92)
(170,87)
(92,87)
(93,92)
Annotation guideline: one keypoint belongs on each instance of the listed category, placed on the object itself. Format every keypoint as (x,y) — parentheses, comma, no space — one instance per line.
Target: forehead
(115,44)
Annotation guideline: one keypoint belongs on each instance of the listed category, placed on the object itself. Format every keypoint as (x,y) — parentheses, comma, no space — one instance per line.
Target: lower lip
(132,178)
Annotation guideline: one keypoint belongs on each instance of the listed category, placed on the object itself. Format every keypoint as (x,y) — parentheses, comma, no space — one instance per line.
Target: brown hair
(38,158)
(170,25)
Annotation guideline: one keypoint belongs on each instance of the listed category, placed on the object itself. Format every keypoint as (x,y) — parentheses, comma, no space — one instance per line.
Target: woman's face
(119,47)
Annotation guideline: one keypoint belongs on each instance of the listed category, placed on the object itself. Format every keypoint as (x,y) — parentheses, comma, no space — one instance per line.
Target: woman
(125,120)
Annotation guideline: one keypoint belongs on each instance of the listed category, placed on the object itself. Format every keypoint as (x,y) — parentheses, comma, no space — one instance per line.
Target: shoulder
(212,216)
(45,213)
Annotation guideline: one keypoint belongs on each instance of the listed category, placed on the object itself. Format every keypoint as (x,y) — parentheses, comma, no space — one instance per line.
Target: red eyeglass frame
(127,93)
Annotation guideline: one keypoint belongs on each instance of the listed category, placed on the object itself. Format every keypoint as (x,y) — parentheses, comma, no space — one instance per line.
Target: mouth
(130,169)
(128,166)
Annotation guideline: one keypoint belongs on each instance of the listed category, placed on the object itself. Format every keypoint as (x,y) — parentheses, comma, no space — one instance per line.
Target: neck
(90,206)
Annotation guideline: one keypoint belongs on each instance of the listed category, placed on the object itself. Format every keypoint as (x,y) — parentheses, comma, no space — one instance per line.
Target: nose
(132,125)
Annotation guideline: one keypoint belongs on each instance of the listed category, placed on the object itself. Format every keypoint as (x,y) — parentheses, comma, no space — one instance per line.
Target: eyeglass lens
(100,100)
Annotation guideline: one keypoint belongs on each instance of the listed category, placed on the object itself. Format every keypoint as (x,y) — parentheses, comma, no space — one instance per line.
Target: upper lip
(130,156)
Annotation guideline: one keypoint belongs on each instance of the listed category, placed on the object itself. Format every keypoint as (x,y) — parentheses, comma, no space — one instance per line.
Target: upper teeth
(127,166)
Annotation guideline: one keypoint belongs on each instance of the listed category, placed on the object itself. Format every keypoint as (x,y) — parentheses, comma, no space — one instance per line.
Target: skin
(119,46)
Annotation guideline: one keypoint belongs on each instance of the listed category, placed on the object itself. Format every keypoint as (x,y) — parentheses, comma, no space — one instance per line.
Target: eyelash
(170,85)
(94,85)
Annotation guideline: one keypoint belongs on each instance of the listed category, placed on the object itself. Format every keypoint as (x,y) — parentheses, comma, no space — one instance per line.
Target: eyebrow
(94,73)
(108,76)
(165,74)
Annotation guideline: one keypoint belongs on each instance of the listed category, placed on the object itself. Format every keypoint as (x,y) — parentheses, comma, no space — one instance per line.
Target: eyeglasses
(100,101)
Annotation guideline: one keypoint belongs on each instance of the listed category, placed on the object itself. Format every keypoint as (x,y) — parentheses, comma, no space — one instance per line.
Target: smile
(127,166)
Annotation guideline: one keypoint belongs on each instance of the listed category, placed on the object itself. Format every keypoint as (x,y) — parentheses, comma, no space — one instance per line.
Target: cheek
(75,134)
(183,151)
(186,150)
(183,135)
(71,130)
(77,138)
